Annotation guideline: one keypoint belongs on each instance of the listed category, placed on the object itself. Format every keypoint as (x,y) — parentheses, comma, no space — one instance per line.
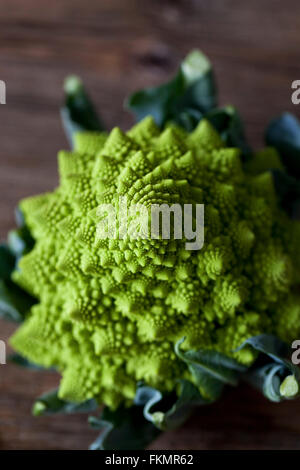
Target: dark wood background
(117,46)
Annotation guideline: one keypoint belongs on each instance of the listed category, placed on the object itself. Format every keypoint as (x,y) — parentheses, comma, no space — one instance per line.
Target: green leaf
(50,403)
(278,380)
(230,126)
(189,118)
(20,242)
(200,89)
(171,411)
(266,379)
(123,429)
(190,96)
(269,345)
(189,397)
(272,380)
(211,370)
(7,262)
(14,302)
(288,191)
(283,133)
(78,113)
(184,99)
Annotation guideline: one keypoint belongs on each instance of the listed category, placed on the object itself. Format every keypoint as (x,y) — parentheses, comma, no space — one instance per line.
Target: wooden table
(117,46)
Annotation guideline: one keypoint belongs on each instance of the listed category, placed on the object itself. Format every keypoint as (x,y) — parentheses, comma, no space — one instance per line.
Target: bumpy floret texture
(110,310)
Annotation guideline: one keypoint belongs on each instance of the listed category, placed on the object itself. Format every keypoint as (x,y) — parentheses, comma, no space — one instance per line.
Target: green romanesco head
(109,311)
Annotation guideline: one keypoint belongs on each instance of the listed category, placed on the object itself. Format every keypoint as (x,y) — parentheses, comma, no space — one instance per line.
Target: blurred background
(118,46)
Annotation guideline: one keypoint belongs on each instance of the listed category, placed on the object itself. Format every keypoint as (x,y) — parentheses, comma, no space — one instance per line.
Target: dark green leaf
(278,380)
(123,429)
(210,369)
(20,242)
(189,397)
(230,126)
(266,379)
(7,262)
(188,119)
(172,411)
(283,133)
(78,113)
(288,191)
(156,102)
(269,345)
(50,403)
(190,96)
(184,99)
(14,302)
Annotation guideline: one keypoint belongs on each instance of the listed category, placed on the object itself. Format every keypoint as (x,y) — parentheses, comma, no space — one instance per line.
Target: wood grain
(116,47)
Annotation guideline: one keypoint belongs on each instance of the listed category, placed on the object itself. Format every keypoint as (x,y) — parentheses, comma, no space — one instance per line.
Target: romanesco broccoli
(111,310)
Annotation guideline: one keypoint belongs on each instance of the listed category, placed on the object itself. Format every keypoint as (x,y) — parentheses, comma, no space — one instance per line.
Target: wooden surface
(117,46)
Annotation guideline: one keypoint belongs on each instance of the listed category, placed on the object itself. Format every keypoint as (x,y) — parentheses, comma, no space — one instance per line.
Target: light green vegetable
(110,311)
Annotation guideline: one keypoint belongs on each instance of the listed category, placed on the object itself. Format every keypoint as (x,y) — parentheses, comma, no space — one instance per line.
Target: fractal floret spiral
(110,310)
